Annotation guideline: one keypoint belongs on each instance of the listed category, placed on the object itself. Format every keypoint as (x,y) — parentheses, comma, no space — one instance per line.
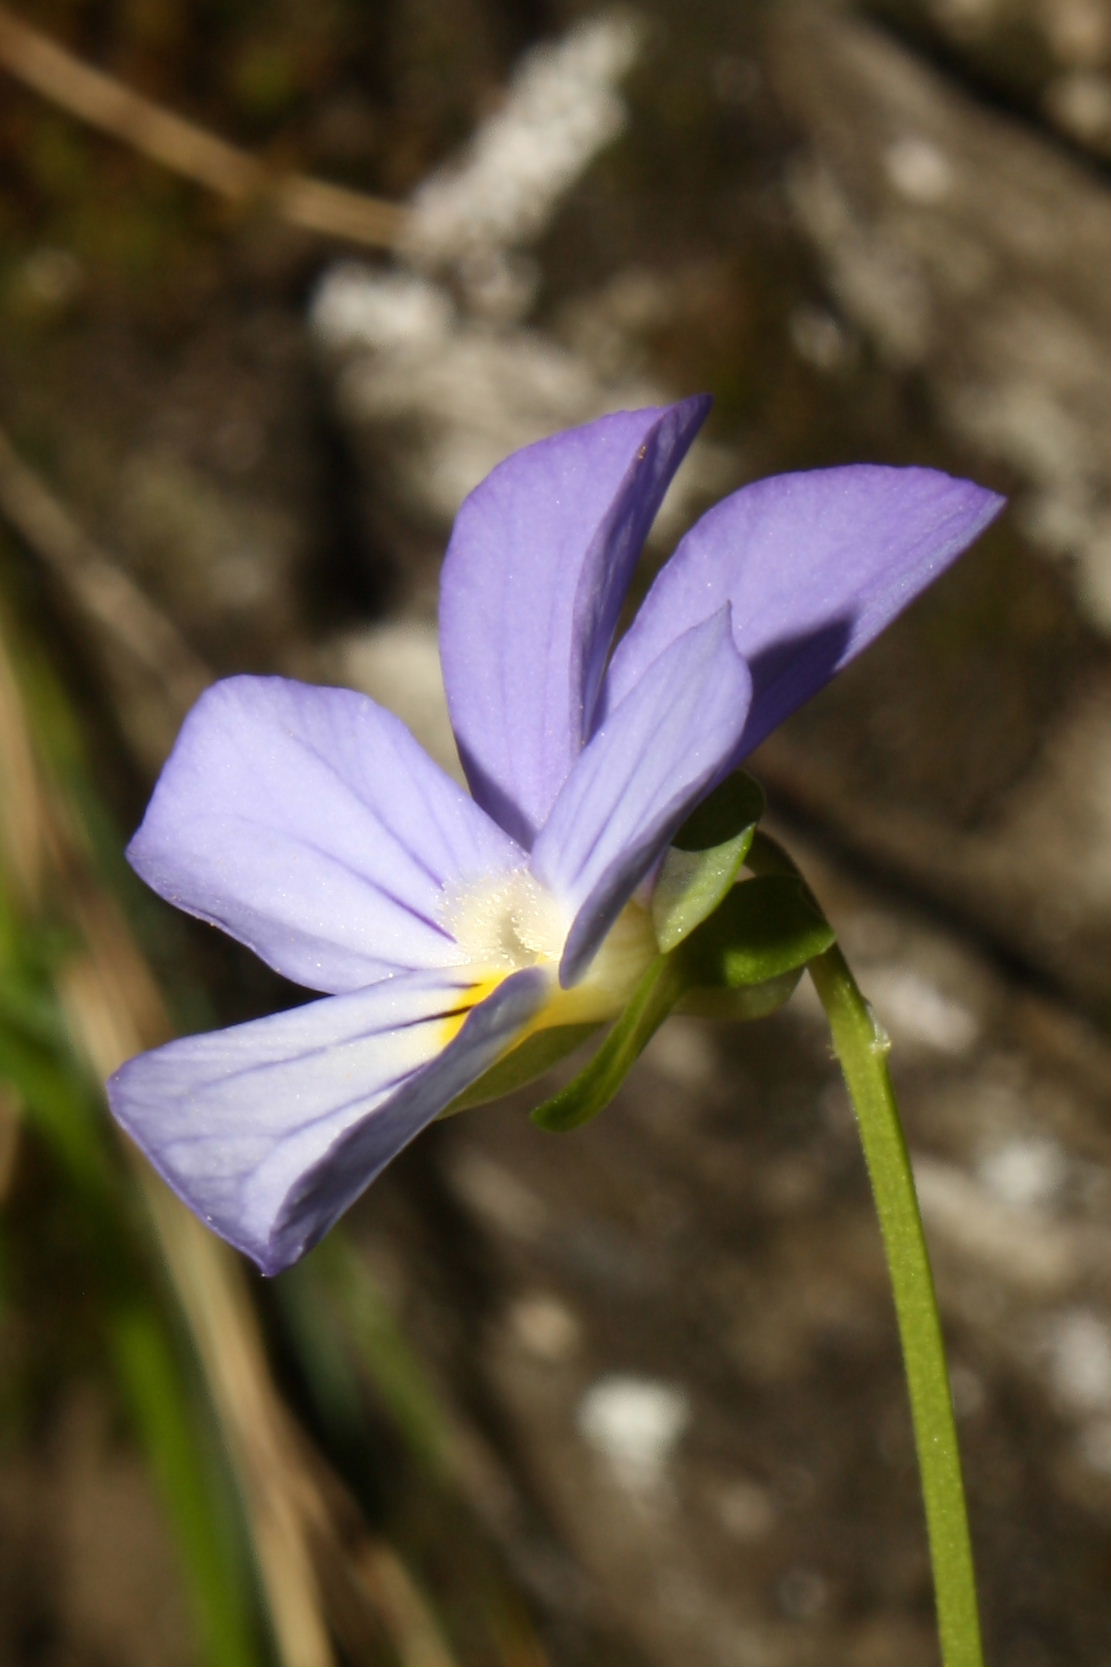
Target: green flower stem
(862,1049)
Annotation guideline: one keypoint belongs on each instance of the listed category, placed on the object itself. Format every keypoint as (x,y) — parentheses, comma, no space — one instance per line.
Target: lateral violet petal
(271,1129)
(534,579)
(309,824)
(815,565)
(667,743)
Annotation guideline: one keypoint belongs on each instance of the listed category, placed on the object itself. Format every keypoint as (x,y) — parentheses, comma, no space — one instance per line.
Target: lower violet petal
(269,1130)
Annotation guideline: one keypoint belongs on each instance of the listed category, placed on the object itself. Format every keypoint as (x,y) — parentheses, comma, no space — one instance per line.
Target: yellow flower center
(510,921)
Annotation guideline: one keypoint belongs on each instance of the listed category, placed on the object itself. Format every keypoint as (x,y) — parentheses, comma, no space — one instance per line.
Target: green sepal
(593,1089)
(705,858)
(523,1064)
(763,929)
(742,1005)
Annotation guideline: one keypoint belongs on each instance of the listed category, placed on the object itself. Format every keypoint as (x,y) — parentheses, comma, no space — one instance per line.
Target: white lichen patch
(634,1424)
(1024,1171)
(1078,1359)
(562,107)
(919,1013)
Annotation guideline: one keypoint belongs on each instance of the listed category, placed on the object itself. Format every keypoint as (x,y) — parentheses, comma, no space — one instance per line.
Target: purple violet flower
(445,929)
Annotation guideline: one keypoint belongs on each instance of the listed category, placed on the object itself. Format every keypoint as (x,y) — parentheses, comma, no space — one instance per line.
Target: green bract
(594,1088)
(532,1058)
(705,859)
(734,950)
(762,930)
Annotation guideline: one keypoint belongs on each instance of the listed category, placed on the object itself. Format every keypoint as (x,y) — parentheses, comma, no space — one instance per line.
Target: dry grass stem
(105,594)
(321,1569)
(309,204)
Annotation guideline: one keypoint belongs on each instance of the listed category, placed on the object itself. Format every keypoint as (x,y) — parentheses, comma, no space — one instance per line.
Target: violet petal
(533,583)
(666,745)
(815,566)
(309,824)
(270,1130)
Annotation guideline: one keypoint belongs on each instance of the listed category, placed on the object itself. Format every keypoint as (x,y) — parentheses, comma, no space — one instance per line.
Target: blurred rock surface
(862,254)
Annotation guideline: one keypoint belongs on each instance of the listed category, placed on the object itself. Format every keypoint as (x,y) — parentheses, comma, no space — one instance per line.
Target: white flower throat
(510,921)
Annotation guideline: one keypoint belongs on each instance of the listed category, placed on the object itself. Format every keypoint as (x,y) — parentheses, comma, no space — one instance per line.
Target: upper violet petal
(271,1129)
(667,743)
(535,575)
(815,565)
(309,824)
